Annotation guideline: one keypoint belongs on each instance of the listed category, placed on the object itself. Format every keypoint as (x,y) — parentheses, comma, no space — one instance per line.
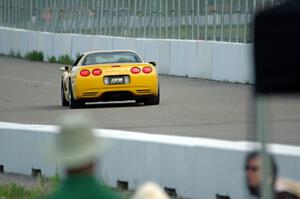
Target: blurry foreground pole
(276,46)
(262,130)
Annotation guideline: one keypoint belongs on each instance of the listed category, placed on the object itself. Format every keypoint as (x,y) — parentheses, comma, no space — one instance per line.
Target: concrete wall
(199,59)
(197,168)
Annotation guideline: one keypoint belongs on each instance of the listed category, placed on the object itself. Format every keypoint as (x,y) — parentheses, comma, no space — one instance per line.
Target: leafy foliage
(65,59)
(52,59)
(35,56)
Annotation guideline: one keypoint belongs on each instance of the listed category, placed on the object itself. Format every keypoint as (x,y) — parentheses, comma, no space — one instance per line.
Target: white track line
(29,81)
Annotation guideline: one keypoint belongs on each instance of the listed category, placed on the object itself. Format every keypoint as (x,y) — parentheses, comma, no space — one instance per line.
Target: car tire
(153,100)
(72,102)
(64,102)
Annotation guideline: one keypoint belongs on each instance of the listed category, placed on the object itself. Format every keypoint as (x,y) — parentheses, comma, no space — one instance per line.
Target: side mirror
(153,63)
(64,68)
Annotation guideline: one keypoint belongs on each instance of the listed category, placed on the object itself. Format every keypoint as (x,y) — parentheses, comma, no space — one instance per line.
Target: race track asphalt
(30,94)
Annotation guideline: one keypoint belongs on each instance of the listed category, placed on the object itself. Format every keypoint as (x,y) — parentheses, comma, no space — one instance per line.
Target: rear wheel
(72,102)
(153,100)
(64,102)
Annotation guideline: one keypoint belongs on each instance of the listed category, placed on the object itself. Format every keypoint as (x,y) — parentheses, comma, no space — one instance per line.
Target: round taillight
(135,70)
(147,69)
(97,72)
(85,73)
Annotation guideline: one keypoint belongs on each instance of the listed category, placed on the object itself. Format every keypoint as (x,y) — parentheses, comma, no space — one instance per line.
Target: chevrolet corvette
(109,76)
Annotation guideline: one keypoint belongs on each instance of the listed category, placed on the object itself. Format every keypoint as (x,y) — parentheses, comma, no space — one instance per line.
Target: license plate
(116,80)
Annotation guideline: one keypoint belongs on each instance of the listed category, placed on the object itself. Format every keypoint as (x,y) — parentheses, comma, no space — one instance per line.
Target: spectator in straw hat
(76,149)
(150,190)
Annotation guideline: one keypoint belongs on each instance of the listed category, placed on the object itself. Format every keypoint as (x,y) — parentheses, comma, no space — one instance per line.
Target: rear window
(111,57)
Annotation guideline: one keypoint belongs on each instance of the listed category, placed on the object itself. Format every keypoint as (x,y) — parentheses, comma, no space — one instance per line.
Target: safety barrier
(193,167)
(221,61)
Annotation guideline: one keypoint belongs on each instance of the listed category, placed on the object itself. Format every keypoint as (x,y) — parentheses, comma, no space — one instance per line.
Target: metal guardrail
(219,20)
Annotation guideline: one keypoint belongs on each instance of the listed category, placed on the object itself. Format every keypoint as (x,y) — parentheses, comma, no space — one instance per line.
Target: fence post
(246,22)
(166,19)
(134,19)
(206,12)
(179,20)
(145,17)
(186,19)
(238,20)
(222,22)
(215,20)
(230,20)
(173,19)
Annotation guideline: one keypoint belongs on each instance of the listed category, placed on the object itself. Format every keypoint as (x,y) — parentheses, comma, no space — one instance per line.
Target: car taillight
(147,69)
(135,70)
(97,72)
(85,73)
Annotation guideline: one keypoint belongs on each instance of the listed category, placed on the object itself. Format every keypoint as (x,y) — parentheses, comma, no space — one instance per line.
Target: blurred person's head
(76,147)
(253,171)
(150,190)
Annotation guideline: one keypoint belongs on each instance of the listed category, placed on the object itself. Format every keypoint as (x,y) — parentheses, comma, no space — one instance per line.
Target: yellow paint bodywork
(92,87)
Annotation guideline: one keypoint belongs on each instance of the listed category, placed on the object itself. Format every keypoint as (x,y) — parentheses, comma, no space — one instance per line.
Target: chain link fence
(218,20)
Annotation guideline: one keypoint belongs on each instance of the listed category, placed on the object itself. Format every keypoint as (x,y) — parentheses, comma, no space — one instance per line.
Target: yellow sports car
(109,76)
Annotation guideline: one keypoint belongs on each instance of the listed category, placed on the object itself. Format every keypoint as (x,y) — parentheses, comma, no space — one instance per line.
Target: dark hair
(274,169)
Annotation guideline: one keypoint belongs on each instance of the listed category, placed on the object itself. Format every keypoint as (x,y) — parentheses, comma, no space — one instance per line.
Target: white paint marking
(28,81)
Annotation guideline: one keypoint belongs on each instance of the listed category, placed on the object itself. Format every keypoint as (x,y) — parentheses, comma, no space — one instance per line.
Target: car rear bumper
(115,96)
(116,93)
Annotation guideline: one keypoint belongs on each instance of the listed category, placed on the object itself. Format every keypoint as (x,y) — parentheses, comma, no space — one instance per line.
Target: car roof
(108,51)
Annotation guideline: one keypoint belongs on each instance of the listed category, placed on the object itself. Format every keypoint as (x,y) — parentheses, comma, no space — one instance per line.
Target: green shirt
(82,187)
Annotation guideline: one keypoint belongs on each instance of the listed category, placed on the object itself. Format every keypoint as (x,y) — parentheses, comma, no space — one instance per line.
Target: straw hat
(75,144)
(150,190)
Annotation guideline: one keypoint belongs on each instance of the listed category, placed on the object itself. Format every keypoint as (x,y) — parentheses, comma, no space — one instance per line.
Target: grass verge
(65,59)
(43,188)
(35,56)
